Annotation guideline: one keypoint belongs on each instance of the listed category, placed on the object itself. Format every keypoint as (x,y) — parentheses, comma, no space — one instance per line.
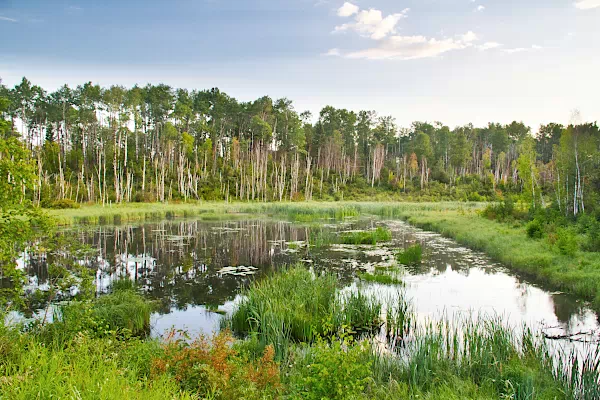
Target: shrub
(502,211)
(566,242)
(410,256)
(535,230)
(593,238)
(336,369)
(63,204)
(213,368)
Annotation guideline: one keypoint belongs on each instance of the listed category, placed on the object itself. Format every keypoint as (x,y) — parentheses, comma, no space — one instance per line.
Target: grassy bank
(578,273)
(299,212)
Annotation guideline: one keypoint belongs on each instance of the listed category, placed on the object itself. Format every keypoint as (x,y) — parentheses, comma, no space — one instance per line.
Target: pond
(194,270)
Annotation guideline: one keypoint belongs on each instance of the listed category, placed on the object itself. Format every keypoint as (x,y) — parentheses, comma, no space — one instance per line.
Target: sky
(455,61)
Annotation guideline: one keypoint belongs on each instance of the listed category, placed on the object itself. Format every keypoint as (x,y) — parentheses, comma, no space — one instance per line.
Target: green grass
(295,306)
(479,360)
(373,237)
(380,277)
(123,312)
(448,359)
(411,255)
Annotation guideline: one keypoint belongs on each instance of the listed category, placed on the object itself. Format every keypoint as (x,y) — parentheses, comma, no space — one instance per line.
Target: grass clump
(123,312)
(373,237)
(412,255)
(295,306)
(379,277)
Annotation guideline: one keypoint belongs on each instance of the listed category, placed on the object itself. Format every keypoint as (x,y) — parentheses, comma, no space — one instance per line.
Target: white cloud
(347,10)
(523,49)
(480,8)
(8,19)
(587,4)
(333,53)
(413,47)
(468,37)
(489,46)
(371,23)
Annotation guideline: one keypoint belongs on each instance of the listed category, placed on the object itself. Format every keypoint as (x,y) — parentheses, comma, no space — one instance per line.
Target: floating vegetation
(411,256)
(240,270)
(373,237)
(379,277)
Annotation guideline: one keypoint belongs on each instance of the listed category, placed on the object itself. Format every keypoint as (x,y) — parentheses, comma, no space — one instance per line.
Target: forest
(91,144)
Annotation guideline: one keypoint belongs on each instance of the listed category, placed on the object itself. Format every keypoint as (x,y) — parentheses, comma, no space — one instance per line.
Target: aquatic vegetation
(123,312)
(357,311)
(379,277)
(468,358)
(295,306)
(411,255)
(373,237)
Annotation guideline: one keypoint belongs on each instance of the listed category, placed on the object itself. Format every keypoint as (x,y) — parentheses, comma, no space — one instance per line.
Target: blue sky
(455,61)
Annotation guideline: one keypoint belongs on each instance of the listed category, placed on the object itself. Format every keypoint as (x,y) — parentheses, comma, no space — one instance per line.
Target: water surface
(193,268)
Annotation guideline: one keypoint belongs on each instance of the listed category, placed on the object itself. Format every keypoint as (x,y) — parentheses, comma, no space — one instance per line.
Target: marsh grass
(463,356)
(411,255)
(380,277)
(381,234)
(296,306)
(123,312)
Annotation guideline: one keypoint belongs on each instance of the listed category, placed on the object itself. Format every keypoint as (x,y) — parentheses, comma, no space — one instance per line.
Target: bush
(505,210)
(63,204)
(593,239)
(535,230)
(339,369)
(566,242)
(410,256)
(213,368)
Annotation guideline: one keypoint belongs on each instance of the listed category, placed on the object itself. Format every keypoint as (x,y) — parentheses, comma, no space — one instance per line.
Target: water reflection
(184,266)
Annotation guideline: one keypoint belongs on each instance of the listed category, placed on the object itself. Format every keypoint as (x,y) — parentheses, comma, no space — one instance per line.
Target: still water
(193,268)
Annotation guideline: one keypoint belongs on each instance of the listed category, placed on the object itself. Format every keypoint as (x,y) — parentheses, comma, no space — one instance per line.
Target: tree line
(157,143)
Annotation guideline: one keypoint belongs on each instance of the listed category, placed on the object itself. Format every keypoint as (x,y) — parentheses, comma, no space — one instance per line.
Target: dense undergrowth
(305,348)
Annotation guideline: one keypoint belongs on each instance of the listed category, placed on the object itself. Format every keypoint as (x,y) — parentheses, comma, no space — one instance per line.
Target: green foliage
(534,229)
(87,367)
(566,242)
(335,369)
(295,306)
(123,312)
(379,277)
(381,234)
(411,255)
(63,204)
(502,211)
(17,170)
(214,368)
